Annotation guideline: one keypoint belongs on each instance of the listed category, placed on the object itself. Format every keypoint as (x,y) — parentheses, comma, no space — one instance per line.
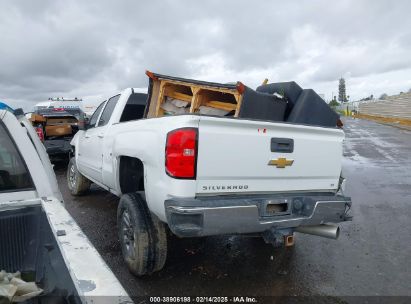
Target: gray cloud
(93,48)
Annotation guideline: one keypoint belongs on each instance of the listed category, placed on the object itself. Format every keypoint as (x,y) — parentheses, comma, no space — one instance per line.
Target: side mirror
(83,123)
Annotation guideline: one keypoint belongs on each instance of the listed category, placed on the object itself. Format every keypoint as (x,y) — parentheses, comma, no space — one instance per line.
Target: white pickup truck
(38,237)
(202,175)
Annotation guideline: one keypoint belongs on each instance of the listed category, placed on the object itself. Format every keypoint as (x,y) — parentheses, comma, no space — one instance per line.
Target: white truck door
(93,138)
(86,146)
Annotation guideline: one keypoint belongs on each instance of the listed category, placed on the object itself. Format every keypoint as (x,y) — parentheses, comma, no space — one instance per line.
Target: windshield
(14,175)
(38,108)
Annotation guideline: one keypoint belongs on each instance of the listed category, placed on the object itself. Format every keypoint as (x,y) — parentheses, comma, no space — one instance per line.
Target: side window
(14,175)
(96,114)
(135,107)
(108,110)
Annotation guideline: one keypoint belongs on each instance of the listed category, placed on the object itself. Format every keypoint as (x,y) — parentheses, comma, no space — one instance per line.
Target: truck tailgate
(253,156)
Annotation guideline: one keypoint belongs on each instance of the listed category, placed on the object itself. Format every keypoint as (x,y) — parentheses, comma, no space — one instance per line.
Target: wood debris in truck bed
(171,95)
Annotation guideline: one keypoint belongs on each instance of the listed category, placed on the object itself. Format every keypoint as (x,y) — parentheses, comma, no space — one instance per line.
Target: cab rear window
(14,175)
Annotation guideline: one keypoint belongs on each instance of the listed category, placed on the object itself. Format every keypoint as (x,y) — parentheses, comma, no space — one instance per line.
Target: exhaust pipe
(327,231)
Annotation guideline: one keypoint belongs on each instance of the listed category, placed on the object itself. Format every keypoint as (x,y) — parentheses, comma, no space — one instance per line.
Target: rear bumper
(205,216)
(56,147)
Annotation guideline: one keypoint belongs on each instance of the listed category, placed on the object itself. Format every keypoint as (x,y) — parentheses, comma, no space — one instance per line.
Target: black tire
(142,236)
(76,182)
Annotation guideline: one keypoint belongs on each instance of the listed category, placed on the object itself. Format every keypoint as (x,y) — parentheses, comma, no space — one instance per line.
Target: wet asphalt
(372,257)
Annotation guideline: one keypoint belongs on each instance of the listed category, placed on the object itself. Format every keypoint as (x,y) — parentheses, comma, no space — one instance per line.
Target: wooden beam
(238,97)
(199,86)
(160,99)
(221,105)
(154,99)
(195,100)
(239,102)
(177,95)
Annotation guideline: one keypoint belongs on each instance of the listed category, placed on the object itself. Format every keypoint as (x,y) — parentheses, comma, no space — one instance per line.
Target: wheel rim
(72,176)
(127,234)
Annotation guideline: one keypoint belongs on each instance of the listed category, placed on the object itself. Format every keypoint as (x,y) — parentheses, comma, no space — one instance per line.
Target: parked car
(38,237)
(55,123)
(200,175)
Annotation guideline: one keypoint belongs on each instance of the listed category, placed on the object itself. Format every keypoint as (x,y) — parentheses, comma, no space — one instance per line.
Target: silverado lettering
(232,187)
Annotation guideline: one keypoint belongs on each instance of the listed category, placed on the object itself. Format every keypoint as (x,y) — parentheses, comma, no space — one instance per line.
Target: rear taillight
(39,131)
(181,153)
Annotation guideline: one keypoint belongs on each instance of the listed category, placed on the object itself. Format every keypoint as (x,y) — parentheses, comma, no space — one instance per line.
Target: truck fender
(75,141)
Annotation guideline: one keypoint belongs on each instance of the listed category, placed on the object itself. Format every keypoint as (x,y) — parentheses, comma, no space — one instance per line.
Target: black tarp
(303,106)
(290,90)
(311,109)
(257,105)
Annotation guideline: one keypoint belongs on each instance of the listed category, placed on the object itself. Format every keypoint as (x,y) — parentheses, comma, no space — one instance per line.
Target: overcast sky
(92,49)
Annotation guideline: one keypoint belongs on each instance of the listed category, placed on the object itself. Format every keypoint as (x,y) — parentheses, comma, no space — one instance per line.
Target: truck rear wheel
(142,236)
(77,183)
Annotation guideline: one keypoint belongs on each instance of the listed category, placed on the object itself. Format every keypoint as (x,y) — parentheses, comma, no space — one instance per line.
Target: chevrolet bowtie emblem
(281,162)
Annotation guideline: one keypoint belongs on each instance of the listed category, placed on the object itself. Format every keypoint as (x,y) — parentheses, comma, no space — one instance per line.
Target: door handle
(86,136)
(100,135)
(282,145)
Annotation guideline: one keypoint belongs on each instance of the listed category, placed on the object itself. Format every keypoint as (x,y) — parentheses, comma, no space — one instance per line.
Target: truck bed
(40,239)
(29,246)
